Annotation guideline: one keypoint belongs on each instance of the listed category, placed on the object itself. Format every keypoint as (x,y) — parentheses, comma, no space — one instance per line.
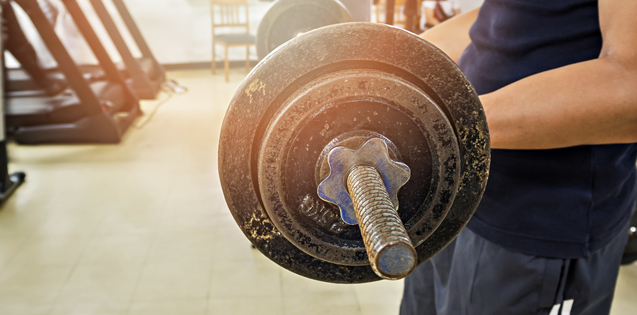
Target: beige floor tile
(625,291)
(9,246)
(66,156)
(245,279)
(29,205)
(25,309)
(294,285)
(20,224)
(230,245)
(380,297)
(132,217)
(79,225)
(92,308)
(51,250)
(136,195)
(151,182)
(106,284)
(204,197)
(22,285)
(326,303)
(379,308)
(187,245)
(117,249)
(126,223)
(186,215)
(245,306)
(174,281)
(305,296)
(89,194)
(226,226)
(169,307)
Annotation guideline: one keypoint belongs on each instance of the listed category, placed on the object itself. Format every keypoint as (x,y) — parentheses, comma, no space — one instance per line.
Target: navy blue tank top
(563,203)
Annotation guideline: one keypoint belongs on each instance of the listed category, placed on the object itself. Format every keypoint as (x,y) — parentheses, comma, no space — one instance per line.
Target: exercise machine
(89,111)
(145,74)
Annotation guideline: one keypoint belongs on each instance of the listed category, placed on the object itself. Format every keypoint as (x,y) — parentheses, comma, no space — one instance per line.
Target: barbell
(354,153)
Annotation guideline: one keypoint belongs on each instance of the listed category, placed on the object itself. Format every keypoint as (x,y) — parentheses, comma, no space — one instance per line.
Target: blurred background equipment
(341,89)
(94,109)
(9,182)
(360,10)
(227,15)
(390,12)
(287,19)
(144,74)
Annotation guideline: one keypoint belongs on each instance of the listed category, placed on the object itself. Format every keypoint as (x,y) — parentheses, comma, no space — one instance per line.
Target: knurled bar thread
(378,220)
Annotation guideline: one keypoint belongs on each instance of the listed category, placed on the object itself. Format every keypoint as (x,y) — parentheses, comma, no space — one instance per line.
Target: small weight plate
(287,19)
(328,50)
(338,103)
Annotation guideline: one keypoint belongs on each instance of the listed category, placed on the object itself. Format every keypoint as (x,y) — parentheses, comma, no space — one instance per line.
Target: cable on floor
(171,88)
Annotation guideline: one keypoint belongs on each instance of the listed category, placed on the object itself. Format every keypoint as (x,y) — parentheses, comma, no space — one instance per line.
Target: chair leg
(214,59)
(227,63)
(247,58)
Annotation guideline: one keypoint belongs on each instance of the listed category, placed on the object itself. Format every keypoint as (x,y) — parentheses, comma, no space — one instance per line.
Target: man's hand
(592,102)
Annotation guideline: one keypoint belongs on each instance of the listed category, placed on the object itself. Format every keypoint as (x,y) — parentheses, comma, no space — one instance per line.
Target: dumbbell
(287,19)
(353,153)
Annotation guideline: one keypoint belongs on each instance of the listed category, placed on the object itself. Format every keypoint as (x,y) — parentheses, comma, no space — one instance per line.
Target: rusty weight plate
(286,19)
(339,103)
(346,47)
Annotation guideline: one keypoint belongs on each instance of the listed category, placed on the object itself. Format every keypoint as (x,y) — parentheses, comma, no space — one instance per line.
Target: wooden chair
(381,6)
(230,14)
(399,16)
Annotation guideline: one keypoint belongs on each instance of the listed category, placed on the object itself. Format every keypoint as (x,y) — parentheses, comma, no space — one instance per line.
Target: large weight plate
(353,46)
(287,19)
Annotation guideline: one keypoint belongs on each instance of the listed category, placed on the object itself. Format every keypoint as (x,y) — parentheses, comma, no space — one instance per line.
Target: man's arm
(452,35)
(592,102)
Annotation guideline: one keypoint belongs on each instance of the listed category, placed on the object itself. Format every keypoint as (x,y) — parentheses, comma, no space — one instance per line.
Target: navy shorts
(475,276)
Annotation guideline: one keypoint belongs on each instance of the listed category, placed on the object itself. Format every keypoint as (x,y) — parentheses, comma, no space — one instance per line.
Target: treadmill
(145,74)
(30,78)
(90,111)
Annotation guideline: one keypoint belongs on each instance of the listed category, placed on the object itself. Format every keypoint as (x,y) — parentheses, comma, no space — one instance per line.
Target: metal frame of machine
(80,115)
(146,74)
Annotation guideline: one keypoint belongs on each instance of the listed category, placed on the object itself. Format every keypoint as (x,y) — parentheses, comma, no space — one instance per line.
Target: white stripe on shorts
(555,310)
(566,308)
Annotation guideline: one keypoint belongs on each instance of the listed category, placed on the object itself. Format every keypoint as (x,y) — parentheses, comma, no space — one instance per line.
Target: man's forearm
(592,102)
(452,36)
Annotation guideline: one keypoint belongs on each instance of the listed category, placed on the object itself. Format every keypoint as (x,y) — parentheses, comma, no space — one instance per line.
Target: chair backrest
(399,17)
(230,13)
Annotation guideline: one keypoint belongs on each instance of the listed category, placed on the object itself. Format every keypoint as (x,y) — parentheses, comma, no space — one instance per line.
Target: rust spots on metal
(255,86)
(259,226)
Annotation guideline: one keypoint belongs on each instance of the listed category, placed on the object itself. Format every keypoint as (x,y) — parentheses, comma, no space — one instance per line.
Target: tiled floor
(142,228)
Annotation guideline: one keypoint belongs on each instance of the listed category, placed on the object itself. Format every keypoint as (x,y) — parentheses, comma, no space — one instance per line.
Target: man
(558,82)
